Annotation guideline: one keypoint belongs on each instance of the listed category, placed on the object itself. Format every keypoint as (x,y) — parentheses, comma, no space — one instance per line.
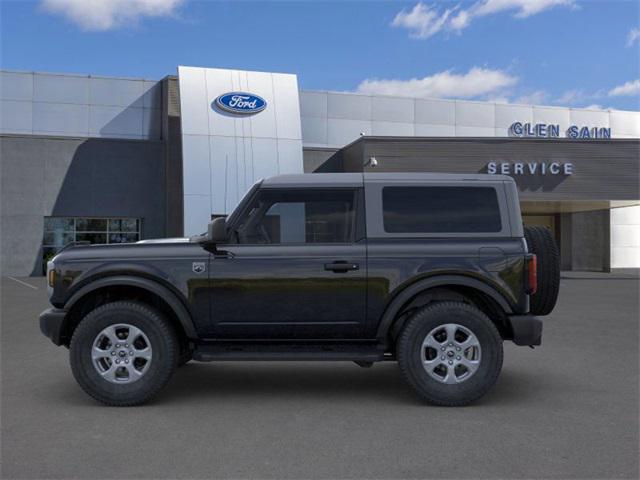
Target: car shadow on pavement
(304,382)
(311,381)
(274,380)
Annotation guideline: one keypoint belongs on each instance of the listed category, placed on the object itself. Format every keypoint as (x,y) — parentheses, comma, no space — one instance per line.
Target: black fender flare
(393,308)
(174,302)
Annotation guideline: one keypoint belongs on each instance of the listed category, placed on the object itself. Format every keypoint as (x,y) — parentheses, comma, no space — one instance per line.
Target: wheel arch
(444,288)
(131,287)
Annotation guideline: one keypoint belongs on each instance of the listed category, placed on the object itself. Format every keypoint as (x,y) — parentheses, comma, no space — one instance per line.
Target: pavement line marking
(23,283)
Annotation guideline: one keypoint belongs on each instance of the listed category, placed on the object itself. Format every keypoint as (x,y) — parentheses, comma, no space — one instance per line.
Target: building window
(440,210)
(60,231)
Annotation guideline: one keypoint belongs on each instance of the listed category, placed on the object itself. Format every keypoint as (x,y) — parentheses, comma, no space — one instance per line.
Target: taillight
(532,274)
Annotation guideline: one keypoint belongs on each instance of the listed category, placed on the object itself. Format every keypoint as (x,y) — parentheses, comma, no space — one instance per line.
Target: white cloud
(539,97)
(475,83)
(595,106)
(629,88)
(421,21)
(524,8)
(571,97)
(99,15)
(424,22)
(633,36)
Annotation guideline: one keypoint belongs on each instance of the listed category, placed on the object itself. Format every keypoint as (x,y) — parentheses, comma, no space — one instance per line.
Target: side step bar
(232,351)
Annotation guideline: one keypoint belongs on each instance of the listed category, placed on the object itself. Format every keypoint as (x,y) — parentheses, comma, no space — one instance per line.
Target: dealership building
(106,160)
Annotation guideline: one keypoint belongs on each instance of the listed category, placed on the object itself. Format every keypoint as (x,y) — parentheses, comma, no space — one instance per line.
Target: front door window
(291,217)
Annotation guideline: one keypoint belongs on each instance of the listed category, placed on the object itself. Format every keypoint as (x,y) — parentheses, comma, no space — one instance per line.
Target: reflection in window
(60,231)
(294,217)
(440,210)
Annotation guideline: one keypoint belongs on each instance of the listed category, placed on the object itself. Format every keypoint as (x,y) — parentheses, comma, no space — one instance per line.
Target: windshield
(234,215)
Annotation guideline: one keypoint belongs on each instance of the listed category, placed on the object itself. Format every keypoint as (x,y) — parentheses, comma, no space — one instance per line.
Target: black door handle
(341,266)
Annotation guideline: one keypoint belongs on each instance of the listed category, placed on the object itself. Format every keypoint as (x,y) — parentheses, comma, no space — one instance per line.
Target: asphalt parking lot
(568,409)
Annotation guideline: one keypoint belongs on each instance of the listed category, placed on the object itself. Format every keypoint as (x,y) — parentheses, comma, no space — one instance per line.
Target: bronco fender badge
(198,267)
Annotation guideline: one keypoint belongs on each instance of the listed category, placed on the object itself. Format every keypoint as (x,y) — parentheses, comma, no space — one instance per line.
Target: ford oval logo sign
(240,103)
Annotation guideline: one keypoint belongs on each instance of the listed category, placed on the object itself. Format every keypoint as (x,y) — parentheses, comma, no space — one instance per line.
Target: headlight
(51,277)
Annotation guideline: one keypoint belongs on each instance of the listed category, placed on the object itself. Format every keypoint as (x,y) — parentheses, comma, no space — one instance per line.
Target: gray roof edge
(314,179)
(357,179)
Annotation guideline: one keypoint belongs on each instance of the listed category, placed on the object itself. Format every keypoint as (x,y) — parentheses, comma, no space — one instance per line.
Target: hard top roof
(357,179)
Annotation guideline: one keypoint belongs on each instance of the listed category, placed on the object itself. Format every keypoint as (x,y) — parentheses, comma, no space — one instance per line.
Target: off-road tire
(541,242)
(410,354)
(164,346)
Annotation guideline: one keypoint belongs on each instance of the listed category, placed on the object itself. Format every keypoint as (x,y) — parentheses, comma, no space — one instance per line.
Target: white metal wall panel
(194,105)
(152,94)
(117,121)
(197,178)
(287,155)
(472,114)
(341,132)
(237,149)
(389,109)
(84,106)
(16,117)
(61,118)
(313,104)
(598,118)
(287,106)
(222,155)
(349,106)
(195,208)
(552,115)
(61,89)
(625,237)
(314,130)
(435,112)
(392,129)
(464,131)
(506,115)
(348,114)
(16,86)
(426,130)
(263,124)
(625,123)
(116,92)
(265,151)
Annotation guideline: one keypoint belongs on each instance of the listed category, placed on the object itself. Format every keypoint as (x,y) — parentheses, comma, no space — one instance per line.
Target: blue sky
(562,52)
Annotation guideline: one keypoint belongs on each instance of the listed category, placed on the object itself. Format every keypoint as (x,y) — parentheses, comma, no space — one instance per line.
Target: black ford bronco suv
(431,270)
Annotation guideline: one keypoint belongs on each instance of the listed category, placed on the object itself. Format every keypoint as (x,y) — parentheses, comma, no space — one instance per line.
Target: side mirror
(217,231)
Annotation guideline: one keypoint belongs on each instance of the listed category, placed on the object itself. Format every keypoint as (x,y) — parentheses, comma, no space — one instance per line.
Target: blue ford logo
(240,103)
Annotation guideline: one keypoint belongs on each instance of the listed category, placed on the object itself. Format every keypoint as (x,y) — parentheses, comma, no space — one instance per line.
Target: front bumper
(527,330)
(52,323)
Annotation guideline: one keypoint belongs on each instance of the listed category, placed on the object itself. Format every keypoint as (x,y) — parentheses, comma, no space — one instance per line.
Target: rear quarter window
(440,210)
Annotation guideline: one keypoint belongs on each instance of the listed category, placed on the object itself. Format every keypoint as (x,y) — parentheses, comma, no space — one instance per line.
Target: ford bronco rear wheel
(450,353)
(123,353)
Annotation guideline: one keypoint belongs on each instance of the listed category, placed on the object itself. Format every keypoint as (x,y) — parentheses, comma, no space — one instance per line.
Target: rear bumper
(52,323)
(527,330)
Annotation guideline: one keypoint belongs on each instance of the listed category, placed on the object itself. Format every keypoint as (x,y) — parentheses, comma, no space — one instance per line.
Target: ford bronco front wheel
(450,353)
(123,353)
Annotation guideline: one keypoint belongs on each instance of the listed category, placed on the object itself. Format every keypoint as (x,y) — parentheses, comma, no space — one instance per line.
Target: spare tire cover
(541,242)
